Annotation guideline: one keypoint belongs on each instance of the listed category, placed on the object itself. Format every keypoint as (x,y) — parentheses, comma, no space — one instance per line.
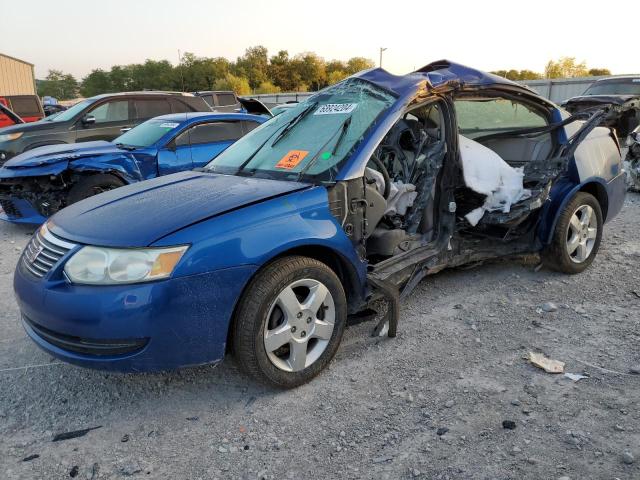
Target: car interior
(402,175)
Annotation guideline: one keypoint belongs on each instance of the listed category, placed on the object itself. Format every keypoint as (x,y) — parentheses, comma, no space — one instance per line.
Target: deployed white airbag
(487,173)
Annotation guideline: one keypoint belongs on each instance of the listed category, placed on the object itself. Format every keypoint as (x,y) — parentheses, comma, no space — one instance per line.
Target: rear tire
(93,185)
(289,322)
(577,235)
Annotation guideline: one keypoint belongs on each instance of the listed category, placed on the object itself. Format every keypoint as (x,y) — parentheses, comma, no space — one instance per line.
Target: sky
(77,36)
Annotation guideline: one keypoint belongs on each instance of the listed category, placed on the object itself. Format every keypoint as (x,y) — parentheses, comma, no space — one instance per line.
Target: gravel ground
(429,404)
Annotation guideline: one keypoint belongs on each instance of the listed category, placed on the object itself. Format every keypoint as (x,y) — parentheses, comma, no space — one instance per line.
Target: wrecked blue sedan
(350,197)
(39,182)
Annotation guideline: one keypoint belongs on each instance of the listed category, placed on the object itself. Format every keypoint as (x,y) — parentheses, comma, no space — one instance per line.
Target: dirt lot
(429,404)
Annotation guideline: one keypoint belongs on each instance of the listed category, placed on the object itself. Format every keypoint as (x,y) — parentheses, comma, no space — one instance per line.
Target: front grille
(44,251)
(10,208)
(87,346)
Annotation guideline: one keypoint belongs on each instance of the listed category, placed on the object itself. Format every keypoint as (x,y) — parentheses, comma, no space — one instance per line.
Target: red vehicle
(27,107)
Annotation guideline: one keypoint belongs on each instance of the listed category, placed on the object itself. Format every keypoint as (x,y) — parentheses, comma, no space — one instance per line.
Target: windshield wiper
(293,122)
(125,147)
(343,132)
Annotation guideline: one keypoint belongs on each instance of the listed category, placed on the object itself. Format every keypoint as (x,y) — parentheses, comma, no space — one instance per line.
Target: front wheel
(93,185)
(577,236)
(290,321)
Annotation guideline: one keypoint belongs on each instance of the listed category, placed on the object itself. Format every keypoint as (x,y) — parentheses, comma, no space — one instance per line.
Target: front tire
(93,185)
(577,236)
(290,321)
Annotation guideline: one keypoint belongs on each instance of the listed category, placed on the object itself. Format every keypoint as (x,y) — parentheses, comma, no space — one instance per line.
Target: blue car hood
(57,153)
(137,215)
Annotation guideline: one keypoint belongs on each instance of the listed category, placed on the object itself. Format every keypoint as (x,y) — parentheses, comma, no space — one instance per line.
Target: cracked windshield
(310,141)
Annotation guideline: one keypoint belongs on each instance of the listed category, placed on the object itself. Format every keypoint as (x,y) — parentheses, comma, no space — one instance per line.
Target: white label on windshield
(636,80)
(169,125)
(333,108)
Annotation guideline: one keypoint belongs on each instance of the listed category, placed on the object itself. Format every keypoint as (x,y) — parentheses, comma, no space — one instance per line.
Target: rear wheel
(290,321)
(93,185)
(577,236)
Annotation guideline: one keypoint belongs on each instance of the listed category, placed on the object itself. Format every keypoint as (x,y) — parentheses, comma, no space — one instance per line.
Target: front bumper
(158,326)
(19,210)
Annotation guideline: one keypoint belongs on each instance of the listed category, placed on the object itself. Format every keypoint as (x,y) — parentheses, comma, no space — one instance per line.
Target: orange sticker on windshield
(291,159)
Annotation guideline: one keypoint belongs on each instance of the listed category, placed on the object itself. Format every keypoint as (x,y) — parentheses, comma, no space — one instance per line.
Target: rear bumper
(18,210)
(132,328)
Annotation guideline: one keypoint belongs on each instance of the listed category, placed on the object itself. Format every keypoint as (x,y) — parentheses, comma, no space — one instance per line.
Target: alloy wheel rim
(299,325)
(582,233)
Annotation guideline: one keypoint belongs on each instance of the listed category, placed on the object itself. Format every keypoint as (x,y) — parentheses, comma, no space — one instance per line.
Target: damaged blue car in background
(39,182)
(350,197)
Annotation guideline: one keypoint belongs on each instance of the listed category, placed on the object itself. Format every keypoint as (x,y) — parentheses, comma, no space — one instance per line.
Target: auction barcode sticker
(169,125)
(333,108)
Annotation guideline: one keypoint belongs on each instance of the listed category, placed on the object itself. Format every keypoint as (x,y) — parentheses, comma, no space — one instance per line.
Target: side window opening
(496,192)
(483,119)
(403,171)
(209,99)
(179,107)
(25,106)
(226,99)
(150,108)
(210,133)
(215,132)
(114,111)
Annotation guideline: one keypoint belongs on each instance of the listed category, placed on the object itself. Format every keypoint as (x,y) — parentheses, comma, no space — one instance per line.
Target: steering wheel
(383,170)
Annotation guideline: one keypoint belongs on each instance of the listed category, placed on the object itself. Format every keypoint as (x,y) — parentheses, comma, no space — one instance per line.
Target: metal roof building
(16,76)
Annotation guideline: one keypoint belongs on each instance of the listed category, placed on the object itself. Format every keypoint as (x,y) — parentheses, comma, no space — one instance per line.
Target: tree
(253,71)
(254,65)
(518,75)
(281,72)
(97,82)
(267,87)
(599,72)
(198,73)
(355,64)
(565,67)
(231,82)
(62,86)
(529,75)
(120,77)
(335,66)
(336,76)
(151,75)
(311,69)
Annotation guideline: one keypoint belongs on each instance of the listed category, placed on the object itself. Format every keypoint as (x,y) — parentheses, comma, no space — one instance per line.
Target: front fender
(255,234)
(125,167)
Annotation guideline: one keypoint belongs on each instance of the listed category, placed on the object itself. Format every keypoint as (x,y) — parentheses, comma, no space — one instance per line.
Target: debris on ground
(547,364)
(75,434)
(509,424)
(575,376)
(549,307)
(627,457)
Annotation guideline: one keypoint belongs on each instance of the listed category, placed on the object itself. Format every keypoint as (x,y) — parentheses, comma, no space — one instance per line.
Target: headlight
(114,266)
(7,137)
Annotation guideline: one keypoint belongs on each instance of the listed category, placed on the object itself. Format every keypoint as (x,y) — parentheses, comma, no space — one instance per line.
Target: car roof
(181,117)
(435,74)
(619,77)
(142,93)
(214,91)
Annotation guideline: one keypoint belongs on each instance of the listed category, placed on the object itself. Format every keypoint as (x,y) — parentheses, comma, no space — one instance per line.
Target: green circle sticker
(325,156)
